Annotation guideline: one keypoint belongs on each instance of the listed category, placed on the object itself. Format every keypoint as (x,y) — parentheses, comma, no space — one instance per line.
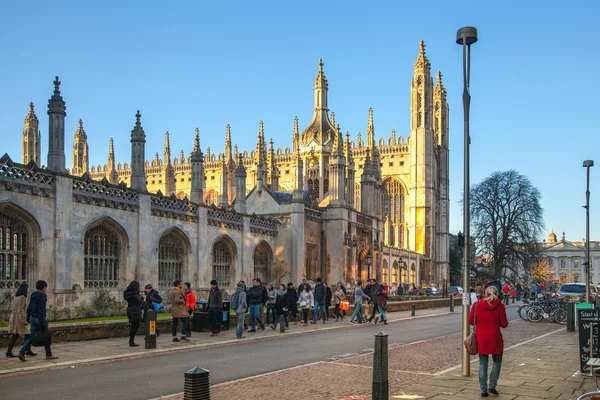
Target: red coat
(490,318)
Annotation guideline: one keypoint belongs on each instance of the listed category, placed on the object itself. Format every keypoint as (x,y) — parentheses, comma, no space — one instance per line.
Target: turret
(138,155)
(32,138)
(298,192)
(230,163)
(196,193)
(350,173)
(80,151)
(223,195)
(240,185)
(273,170)
(337,171)
(367,186)
(57,111)
(296,135)
(168,172)
(260,162)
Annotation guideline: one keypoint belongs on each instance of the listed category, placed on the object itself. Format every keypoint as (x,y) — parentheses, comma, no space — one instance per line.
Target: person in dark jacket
(369,304)
(215,304)
(36,315)
(488,315)
(320,295)
(291,302)
(134,310)
(373,295)
(328,298)
(280,307)
(264,297)
(152,296)
(255,296)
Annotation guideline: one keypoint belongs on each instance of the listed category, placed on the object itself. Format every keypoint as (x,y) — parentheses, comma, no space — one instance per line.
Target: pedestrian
(328,298)
(338,297)
(319,302)
(152,298)
(359,297)
(17,323)
(506,293)
(542,287)
(264,297)
(479,291)
(179,312)
(519,291)
(271,297)
(513,294)
(215,305)
(239,305)
(368,304)
(280,307)
(306,301)
(190,303)
(373,295)
(304,282)
(255,299)
(134,310)
(36,316)
(382,298)
(291,301)
(488,316)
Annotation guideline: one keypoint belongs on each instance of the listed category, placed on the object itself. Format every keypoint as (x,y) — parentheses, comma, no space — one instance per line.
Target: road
(163,374)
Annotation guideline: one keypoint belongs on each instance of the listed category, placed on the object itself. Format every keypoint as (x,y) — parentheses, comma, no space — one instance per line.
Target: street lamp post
(466,37)
(369,260)
(587,164)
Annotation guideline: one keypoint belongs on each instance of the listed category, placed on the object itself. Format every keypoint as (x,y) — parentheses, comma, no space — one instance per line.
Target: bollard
(380,390)
(196,385)
(571,317)
(451,303)
(281,324)
(150,342)
(412,310)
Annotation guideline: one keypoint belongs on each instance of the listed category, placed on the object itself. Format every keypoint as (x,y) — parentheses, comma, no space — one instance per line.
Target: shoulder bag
(41,337)
(471,340)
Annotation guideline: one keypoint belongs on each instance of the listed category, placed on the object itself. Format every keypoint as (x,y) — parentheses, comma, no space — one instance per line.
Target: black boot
(11,342)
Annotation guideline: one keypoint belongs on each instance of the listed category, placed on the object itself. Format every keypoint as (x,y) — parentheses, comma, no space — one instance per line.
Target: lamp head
(588,163)
(466,35)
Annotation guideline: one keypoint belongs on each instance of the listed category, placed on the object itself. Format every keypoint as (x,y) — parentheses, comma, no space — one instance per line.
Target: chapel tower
(80,151)
(57,111)
(31,138)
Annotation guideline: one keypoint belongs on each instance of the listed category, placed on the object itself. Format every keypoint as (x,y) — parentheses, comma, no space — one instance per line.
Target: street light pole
(466,37)
(587,164)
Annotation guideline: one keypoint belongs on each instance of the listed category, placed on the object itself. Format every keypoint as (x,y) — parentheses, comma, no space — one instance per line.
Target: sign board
(465,298)
(589,337)
(152,328)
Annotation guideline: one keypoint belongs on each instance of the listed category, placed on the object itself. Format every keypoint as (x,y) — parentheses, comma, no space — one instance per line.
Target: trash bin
(200,322)
(225,324)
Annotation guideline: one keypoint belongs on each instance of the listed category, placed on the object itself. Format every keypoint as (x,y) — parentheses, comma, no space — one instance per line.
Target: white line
(268,373)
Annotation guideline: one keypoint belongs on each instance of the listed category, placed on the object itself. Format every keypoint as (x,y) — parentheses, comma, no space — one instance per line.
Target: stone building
(566,259)
(325,207)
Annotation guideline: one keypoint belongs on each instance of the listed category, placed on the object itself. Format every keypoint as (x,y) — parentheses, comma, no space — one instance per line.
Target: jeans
(319,307)
(382,313)
(239,330)
(357,313)
(36,325)
(518,295)
(276,320)
(270,310)
(184,321)
(483,369)
(213,317)
(255,315)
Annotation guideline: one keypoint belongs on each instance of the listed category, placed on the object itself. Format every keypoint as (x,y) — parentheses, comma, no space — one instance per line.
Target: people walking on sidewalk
(373,295)
(306,302)
(36,315)
(281,307)
(17,323)
(506,293)
(263,298)
(179,312)
(271,297)
(368,305)
(359,298)
(291,302)
(190,303)
(338,297)
(328,299)
(345,294)
(255,300)
(301,288)
(319,302)
(487,317)
(239,305)
(215,305)
(382,298)
(152,301)
(134,310)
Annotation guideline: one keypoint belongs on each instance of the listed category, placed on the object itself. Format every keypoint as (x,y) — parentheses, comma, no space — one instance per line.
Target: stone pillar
(56,130)
(138,156)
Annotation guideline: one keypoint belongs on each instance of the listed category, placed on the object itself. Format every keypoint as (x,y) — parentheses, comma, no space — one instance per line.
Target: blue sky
(198,64)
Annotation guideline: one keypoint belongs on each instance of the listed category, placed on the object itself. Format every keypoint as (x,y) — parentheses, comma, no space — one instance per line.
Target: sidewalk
(72,354)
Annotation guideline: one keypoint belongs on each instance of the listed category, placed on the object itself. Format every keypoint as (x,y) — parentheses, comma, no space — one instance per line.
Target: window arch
(384,272)
(211,197)
(395,273)
(171,258)
(262,261)
(14,250)
(393,213)
(413,274)
(404,274)
(222,262)
(102,257)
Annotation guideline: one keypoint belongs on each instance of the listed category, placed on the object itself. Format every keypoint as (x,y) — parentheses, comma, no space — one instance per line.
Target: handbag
(303,303)
(344,304)
(471,340)
(41,337)
(157,306)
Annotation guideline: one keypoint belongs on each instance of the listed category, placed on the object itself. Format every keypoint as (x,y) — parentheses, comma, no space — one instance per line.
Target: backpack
(235,301)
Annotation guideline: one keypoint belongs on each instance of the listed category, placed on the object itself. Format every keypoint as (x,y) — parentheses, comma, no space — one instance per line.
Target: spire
(31,118)
(371,131)
(320,130)
(440,114)
(332,118)
(111,150)
(338,144)
(138,133)
(296,136)
(320,80)
(422,64)
(31,138)
(240,170)
(80,151)
(348,150)
(197,152)
(138,155)
(56,130)
(56,104)
(196,192)
(228,148)
(240,186)
(80,133)
(111,173)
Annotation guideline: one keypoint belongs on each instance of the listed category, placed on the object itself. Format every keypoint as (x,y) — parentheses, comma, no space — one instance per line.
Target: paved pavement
(160,372)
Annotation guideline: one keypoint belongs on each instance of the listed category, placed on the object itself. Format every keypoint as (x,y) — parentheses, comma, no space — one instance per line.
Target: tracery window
(171,252)
(222,264)
(261,262)
(13,251)
(101,257)
(211,198)
(395,273)
(393,213)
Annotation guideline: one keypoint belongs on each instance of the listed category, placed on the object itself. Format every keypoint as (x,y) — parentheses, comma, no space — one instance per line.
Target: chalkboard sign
(589,324)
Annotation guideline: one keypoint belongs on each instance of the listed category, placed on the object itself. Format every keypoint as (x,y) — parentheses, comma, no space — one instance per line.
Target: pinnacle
(422,62)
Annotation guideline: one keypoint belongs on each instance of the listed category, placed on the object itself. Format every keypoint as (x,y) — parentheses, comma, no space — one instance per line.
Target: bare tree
(507,220)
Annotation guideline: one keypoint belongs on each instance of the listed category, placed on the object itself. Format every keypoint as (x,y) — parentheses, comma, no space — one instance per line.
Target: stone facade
(324,208)
(566,258)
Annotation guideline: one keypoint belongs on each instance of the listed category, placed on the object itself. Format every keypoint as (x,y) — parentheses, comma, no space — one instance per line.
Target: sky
(189,64)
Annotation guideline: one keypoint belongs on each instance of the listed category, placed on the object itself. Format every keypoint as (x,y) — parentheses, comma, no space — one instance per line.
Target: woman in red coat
(489,315)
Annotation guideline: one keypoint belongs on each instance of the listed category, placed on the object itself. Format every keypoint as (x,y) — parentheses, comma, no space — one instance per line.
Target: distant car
(430,291)
(576,291)
(455,291)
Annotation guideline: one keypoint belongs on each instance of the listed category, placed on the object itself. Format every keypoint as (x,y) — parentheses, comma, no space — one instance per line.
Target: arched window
(211,197)
(101,257)
(384,272)
(262,262)
(404,274)
(395,273)
(222,264)
(393,213)
(413,274)
(171,253)
(14,258)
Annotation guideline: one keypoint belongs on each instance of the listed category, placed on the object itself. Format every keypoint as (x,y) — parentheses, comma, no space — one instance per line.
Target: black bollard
(281,324)
(150,342)
(380,388)
(196,385)
(412,310)
(451,303)
(570,317)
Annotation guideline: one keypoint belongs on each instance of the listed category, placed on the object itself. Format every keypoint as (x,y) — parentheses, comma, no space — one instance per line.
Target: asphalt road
(164,374)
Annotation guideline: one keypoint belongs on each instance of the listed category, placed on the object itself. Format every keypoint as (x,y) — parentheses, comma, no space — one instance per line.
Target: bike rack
(590,395)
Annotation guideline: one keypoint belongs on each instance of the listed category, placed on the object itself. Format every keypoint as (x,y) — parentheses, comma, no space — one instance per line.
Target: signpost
(589,337)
